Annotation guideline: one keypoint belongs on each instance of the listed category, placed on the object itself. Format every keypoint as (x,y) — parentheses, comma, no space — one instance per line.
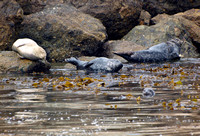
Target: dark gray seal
(166,51)
(101,64)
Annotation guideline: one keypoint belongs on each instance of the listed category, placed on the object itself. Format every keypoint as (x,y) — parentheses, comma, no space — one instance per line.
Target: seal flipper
(88,65)
(20,56)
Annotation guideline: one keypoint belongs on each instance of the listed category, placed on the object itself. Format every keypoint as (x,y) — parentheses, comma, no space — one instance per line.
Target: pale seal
(100,64)
(166,51)
(29,49)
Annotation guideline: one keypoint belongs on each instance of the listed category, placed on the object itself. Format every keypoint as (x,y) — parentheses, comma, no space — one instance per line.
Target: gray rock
(101,64)
(64,31)
(11,62)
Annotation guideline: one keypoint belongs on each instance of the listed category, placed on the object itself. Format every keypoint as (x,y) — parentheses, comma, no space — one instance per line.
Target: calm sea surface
(70,102)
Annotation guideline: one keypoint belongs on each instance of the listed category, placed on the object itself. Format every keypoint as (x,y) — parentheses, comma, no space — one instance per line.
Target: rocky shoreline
(66,28)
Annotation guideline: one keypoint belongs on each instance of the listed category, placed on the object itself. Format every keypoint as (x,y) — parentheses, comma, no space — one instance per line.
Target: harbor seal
(148,92)
(166,51)
(29,49)
(101,64)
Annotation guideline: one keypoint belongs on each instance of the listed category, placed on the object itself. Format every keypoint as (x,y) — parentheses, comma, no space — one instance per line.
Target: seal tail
(125,55)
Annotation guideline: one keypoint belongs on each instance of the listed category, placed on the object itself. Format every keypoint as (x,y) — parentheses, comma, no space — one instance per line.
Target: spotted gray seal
(148,92)
(101,64)
(29,49)
(166,51)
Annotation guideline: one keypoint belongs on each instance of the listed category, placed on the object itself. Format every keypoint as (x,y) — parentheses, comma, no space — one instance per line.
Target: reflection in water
(72,103)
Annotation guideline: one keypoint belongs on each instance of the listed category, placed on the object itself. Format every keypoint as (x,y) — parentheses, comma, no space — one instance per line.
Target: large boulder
(118,16)
(164,30)
(11,14)
(155,7)
(11,62)
(64,31)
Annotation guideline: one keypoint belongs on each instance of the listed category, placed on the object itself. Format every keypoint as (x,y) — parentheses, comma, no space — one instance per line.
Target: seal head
(148,92)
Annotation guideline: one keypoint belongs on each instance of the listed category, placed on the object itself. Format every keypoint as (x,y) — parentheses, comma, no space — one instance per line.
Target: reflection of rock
(30,95)
(101,64)
(29,49)
(63,31)
(10,62)
(30,98)
(148,92)
(31,90)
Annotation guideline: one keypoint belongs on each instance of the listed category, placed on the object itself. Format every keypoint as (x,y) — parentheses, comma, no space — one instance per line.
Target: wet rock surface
(11,62)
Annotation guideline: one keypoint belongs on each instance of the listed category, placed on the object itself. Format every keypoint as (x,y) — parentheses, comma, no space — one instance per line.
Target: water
(70,102)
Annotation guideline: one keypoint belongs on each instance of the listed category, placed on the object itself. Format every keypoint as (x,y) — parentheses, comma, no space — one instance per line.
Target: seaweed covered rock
(63,31)
(11,62)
